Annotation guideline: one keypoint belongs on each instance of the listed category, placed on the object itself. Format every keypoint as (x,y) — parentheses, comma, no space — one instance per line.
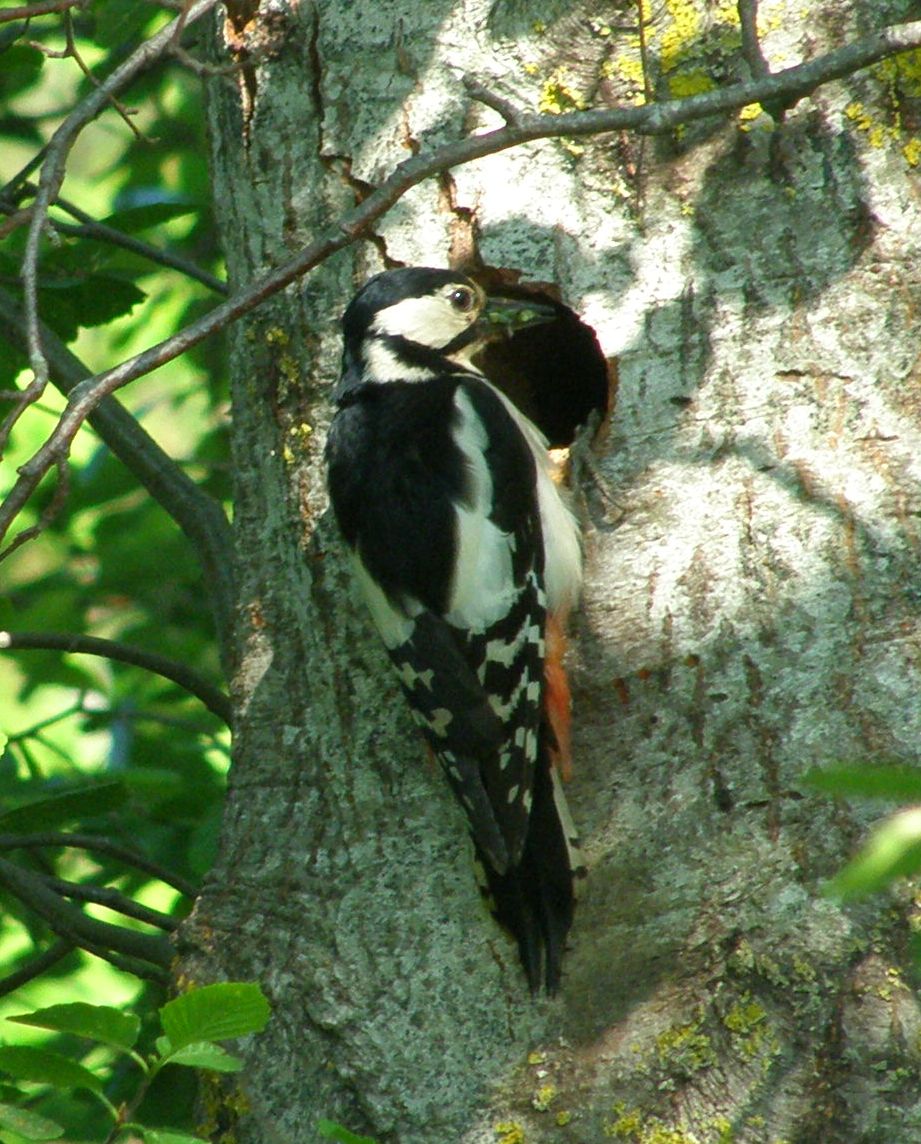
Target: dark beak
(504,317)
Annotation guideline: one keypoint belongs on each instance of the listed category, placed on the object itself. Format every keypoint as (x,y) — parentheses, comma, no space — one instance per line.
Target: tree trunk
(750,611)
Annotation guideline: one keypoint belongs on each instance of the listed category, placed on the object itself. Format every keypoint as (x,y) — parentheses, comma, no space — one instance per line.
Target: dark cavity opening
(555,372)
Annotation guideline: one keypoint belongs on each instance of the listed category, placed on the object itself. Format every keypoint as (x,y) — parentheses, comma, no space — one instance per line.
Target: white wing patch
(394,626)
(562,547)
(483,590)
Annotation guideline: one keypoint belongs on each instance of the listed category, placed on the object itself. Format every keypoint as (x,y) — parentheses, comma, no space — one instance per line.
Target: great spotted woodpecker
(469,560)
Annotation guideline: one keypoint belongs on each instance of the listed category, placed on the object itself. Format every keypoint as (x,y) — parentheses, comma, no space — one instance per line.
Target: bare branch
(113,900)
(75,926)
(476,90)
(52,176)
(99,845)
(199,515)
(788,86)
(35,967)
(216,701)
(100,231)
(751,46)
(40,8)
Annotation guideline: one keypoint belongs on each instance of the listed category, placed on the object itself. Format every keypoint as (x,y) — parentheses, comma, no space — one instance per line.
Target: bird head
(414,323)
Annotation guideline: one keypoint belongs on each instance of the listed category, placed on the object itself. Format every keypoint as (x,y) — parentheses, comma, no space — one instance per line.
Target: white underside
(483,589)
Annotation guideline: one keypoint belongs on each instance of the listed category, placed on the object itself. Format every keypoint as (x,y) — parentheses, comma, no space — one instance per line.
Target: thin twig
(52,176)
(751,46)
(113,900)
(102,232)
(74,925)
(210,71)
(99,845)
(197,513)
(35,967)
(179,673)
(40,8)
(644,50)
(134,966)
(14,221)
(476,90)
(50,511)
(788,85)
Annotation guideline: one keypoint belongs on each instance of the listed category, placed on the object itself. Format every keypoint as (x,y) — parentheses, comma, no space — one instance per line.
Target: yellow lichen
(753,1037)
(629,1122)
(544,1097)
(901,77)
(685,1048)
(630,1125)
(694,82)
(727,12)
(510,1132)
(630,68)
(558,95)
(682,35)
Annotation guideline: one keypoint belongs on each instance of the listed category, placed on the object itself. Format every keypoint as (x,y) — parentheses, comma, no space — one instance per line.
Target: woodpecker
(469,560)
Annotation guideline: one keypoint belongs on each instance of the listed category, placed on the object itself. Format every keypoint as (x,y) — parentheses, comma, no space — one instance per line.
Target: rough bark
(751,523)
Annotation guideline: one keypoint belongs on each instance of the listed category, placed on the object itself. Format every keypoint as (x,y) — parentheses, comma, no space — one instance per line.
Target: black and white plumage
(461,544)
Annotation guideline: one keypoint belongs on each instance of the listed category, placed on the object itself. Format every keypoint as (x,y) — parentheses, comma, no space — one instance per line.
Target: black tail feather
(535,899)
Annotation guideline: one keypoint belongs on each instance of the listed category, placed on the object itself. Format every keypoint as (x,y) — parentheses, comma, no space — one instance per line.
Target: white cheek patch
(382,364)
(430,321)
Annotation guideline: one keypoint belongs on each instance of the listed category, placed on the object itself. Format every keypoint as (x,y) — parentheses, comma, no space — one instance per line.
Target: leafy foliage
(332,1131)
(893,849)
(111,776)
(205,1015)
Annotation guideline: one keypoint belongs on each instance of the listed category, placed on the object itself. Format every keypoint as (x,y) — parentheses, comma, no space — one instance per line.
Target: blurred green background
(150,759)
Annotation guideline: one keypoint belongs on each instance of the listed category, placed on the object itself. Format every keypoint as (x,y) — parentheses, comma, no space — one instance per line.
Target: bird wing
(446,532)
(477,699)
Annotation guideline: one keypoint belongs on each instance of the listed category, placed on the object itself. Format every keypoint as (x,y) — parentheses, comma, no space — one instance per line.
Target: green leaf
(892,851)
(200,1055)
(134,219)
(60,809)
(28,1124)
(896,782)
(90,300)
(333,1131)
(169,1136)
(116,23)
(41,1066)
(97,1022)
(214,1013)
(22,65)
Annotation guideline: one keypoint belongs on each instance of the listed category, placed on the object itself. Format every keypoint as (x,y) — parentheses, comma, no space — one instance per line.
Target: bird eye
(462,298)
